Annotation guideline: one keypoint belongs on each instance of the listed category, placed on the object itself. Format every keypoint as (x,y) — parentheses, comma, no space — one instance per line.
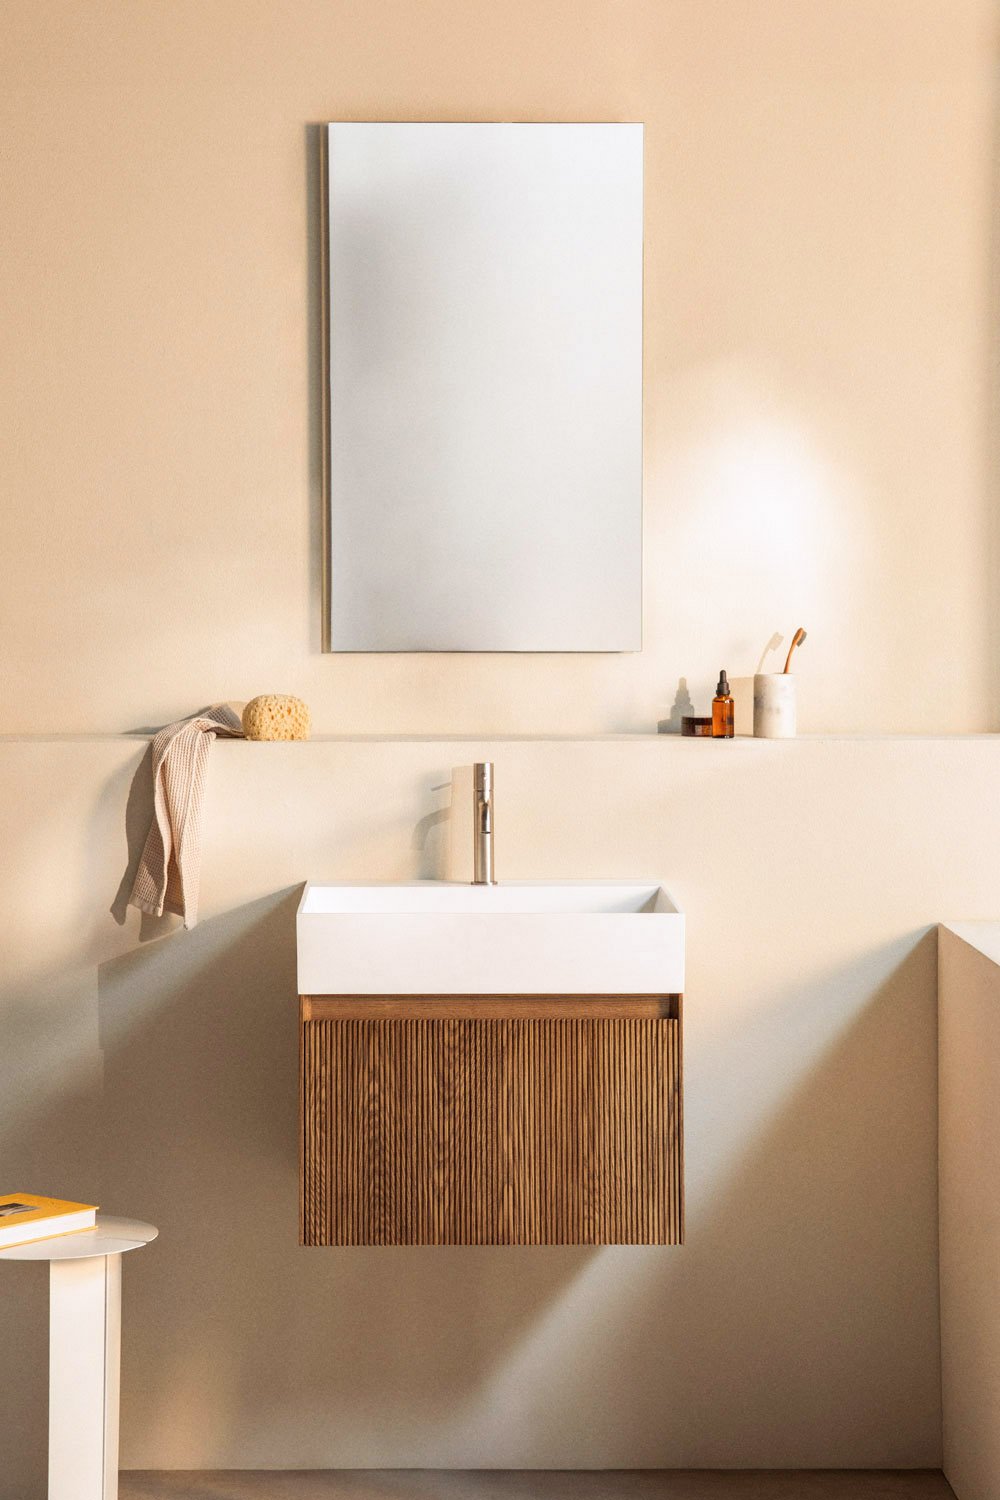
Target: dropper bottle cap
(722,691)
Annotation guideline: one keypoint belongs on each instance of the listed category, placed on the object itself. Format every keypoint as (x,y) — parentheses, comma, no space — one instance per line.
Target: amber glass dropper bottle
(722,711)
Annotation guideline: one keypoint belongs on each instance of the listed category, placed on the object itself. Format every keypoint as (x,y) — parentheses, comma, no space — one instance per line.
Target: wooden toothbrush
(797,640)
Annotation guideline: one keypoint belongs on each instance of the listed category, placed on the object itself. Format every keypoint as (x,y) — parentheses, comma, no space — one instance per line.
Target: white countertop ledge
(634,737)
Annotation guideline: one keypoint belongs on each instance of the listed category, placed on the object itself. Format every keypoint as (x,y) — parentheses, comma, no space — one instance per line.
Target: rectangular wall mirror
(485,387)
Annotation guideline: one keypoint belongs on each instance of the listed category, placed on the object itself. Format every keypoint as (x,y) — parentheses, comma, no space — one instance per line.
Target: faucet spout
(482,823)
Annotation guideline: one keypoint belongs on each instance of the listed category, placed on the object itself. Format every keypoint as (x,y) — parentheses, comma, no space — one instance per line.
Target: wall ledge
(485,737)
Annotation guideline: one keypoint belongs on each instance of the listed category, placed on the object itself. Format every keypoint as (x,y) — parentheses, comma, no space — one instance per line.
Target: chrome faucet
(482,823)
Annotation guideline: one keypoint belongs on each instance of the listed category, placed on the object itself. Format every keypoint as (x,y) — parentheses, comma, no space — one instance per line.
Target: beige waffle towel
(169,873)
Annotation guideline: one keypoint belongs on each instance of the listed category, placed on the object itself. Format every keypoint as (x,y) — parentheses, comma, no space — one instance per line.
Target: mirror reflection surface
(485,387)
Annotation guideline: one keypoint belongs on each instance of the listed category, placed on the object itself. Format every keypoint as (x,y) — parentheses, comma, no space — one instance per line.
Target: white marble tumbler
(774,706)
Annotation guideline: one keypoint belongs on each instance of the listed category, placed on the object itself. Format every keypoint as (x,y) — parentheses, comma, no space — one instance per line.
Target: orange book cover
(25,1217)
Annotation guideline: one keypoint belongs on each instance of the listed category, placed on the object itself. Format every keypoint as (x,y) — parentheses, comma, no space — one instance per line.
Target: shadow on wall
(232,1318)
(242,1348)
(50,1082)
(854,1129)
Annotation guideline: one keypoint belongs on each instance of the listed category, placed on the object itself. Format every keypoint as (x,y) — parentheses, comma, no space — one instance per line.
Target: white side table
(85,1316)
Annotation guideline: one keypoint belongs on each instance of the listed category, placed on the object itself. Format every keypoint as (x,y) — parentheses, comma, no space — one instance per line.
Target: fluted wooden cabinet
(503,1120)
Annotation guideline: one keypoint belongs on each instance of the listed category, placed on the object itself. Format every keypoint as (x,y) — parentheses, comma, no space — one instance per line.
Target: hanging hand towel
(169,873)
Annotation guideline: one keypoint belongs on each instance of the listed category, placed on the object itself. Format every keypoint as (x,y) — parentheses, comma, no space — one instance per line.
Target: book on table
(25,1217)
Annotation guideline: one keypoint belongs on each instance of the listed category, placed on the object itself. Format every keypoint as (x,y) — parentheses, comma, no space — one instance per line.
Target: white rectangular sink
(438,938)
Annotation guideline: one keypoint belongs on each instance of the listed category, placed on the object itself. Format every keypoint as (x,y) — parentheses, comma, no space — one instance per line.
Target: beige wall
(818,340)
(798,1325)
(820,182)
(969,1124)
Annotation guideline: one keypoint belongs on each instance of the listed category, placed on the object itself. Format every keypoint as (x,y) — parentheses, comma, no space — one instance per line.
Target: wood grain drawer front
(502,1131)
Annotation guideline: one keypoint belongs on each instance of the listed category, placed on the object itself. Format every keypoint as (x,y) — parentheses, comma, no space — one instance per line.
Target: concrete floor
(488,1484)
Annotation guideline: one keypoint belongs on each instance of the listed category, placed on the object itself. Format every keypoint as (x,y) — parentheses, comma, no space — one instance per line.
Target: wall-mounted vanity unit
(490,1065)
(484,393)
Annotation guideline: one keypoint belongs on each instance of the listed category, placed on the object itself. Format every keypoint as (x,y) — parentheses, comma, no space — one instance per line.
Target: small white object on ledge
(774,710)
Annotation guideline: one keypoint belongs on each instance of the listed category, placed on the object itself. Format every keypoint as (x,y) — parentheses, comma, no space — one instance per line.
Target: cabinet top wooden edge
(487,1007)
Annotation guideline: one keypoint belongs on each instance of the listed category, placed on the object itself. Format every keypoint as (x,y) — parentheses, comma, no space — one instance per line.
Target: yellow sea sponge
(275,716)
